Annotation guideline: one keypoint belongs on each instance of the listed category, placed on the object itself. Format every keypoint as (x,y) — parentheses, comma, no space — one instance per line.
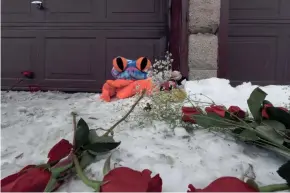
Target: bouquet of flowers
(269,126)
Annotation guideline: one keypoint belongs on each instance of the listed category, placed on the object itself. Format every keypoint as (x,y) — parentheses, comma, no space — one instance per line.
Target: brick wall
(204,18)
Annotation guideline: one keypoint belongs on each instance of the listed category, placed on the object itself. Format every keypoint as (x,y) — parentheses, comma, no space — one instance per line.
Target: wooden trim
(178,40)
(223,40)
(184,68)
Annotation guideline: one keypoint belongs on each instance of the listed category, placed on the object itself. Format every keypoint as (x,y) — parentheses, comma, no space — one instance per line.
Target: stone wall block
(204,16)
(203,51)
(201,74)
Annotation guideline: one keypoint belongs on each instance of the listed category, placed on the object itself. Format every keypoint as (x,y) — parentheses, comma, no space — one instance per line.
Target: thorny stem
(128,113)
(93,184)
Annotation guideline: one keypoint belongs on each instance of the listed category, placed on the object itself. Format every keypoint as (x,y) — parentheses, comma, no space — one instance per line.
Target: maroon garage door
(70,44)
(259,41)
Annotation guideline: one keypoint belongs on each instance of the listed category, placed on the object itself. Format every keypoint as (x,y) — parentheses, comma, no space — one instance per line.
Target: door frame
(223,40)
(178,38)
(178,35)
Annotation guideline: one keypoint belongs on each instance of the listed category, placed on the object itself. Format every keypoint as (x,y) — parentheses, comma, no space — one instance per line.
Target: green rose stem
(74,128)
(91,183)
(274,188)
(128,113)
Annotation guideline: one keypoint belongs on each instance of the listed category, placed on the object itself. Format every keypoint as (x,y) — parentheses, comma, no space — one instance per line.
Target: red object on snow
(237,111)
(33,178)
(264,110)
(225,184)
(125,179)
(187,113)
(218,109)
(29,179)
(221,110)
(59,151)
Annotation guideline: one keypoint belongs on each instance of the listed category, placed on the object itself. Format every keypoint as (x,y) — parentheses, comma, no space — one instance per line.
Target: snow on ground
(33,122)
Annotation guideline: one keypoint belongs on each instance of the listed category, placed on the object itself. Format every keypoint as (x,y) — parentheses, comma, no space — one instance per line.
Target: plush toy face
(130,69)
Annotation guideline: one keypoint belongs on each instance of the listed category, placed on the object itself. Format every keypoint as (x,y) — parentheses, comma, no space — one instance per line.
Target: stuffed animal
(131,78)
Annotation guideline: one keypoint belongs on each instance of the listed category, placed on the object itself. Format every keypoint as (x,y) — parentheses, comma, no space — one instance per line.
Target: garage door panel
(126,11)
(142,6)
(69,6)
(253,58)
(287,60)
(58,11)
(254,9)
(73,55)
(69,58)
(19,52)
(17,55)
(19,11)
(136,11)
(259,32)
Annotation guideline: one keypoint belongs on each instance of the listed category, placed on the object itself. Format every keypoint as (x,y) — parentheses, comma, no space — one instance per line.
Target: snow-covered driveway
(31,123)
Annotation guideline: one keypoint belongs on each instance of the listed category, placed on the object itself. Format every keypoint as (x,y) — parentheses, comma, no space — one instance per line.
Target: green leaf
(248,135)
(82,134)
(276,125)
(275,113)
(107,166)
(86,159)
(101,139)
(104,139)
(50,185)
(213,120)
(255,102)
(270,134)
(101,147)
(93,136)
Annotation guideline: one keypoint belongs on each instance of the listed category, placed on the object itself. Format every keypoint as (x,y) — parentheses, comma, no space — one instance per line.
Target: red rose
(124,179)
(225,184)
(188,112)
(264,110)
(218,109)
(29,179)
(237,111)
(59,151)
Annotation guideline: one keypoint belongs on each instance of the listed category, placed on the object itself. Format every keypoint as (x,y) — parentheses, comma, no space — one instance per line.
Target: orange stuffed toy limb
(124,88)
(135,88)
(107,92)
(111,87)
(120,83)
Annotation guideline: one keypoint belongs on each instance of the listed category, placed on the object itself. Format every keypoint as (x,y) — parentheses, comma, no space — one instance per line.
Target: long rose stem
(93,184)
(274,188)
(74,128)
(128,113)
